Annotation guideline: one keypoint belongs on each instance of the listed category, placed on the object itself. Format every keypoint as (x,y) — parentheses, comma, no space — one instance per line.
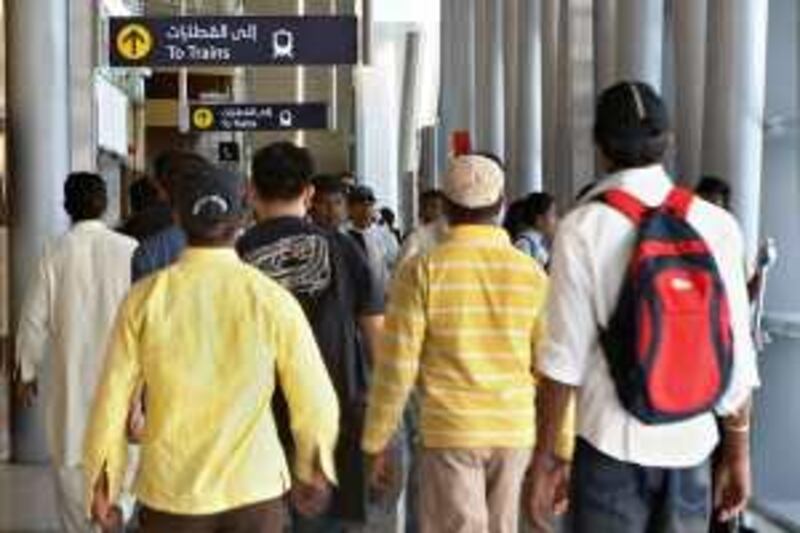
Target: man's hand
(732,479)
(136,422)
(382,471)
(312,499)
(106,515)
(546,490)
(26,393)
(7,363)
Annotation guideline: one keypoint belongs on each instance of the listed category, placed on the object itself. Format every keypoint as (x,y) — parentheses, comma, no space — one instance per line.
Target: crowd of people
(274,355)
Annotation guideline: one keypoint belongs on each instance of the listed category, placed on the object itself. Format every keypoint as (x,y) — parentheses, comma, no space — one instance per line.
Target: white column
(512,55)
(82,56)
(550,92)
(489,76)
(529,107)
(734,104)
(605,44)
(457,93)
(640,39)
(408,150)
(576,101)
(39,158)
(689,38)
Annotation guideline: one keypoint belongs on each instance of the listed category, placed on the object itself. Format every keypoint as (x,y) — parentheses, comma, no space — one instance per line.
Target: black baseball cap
(632,109)
(212,195)
(632,124)
(361,194)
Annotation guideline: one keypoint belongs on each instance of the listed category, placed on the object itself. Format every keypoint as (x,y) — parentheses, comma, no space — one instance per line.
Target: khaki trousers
(471,491)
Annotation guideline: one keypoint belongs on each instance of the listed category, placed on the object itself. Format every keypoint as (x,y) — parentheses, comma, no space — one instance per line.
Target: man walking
(69,308)
(330,277)
(463,322)
(361,207)
(645,272)
(164,248)
(210,338)
(329,204)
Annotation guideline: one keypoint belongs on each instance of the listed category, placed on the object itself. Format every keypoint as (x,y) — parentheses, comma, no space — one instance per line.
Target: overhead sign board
(233,41)
(259,117)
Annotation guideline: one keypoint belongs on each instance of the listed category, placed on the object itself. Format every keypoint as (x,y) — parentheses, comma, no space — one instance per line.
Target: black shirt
(330,277)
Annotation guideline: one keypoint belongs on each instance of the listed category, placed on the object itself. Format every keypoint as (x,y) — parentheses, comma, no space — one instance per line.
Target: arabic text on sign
(195,31)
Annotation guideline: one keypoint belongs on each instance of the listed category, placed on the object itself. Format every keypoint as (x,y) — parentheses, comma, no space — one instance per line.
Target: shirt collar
(650,184)
(89,225)
(492,235)
(533,234)
(195,253)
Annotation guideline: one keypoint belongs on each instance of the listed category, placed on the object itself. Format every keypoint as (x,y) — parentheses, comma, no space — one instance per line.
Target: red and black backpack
(669,342)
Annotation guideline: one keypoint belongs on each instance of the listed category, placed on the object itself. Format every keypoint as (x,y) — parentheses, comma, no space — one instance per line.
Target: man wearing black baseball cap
(209,338)
(361,207)
(164,248)
(629,475)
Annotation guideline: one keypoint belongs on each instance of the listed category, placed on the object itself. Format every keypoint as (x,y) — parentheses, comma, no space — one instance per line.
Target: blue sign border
(264,117)
(241,41)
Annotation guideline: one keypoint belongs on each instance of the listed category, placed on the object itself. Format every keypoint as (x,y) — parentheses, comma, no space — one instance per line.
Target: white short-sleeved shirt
(590,257)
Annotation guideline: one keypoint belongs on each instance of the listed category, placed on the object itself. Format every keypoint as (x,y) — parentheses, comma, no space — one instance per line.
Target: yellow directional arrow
(203,118)
(134,42)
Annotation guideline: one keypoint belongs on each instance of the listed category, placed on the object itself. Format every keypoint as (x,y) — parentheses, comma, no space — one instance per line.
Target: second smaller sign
(260,117)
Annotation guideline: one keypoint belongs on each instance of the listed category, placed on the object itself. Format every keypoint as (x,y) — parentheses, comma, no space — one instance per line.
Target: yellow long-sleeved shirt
(208,338)
(463,322)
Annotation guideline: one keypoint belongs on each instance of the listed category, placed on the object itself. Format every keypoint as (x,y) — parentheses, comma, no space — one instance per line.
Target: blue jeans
(610,496)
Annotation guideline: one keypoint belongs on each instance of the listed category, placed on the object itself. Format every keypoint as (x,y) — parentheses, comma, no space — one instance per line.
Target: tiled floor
(27,502)
(788,512)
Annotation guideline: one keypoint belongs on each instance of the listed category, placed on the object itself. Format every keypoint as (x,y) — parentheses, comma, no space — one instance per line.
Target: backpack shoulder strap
(625,203)
(678,202)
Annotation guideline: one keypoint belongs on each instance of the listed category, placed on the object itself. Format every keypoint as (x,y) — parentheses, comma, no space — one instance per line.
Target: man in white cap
(463,322)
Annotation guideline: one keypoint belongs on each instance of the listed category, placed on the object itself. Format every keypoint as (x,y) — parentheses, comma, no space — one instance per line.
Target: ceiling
(211,7)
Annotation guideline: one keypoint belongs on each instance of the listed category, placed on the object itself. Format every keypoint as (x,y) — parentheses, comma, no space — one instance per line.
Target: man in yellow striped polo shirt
(463,323)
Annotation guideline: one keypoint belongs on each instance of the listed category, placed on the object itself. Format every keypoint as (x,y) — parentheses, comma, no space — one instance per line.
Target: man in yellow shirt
(209,338)
(463,322)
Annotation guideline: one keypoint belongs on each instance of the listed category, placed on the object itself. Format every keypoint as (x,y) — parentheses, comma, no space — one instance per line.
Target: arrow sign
(135,39)
(133,42)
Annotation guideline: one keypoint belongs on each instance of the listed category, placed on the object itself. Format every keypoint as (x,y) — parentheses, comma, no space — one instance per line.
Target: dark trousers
(265,517)
(609,496)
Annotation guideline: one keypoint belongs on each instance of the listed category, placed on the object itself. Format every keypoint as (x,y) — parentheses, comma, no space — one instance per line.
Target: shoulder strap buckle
(678,202)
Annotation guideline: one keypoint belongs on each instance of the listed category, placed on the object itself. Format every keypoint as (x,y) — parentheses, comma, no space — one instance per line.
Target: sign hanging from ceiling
(259,117)
(233,41)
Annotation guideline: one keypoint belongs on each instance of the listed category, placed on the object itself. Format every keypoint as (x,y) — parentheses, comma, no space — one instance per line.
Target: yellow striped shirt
(463,322)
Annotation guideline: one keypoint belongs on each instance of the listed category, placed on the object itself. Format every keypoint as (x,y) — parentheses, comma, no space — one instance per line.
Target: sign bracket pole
(184,120)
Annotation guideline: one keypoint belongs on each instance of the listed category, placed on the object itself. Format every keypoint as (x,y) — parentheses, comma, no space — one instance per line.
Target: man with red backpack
(649,329)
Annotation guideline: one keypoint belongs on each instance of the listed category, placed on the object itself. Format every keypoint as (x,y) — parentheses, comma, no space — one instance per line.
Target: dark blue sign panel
(259,117)
(233,41)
